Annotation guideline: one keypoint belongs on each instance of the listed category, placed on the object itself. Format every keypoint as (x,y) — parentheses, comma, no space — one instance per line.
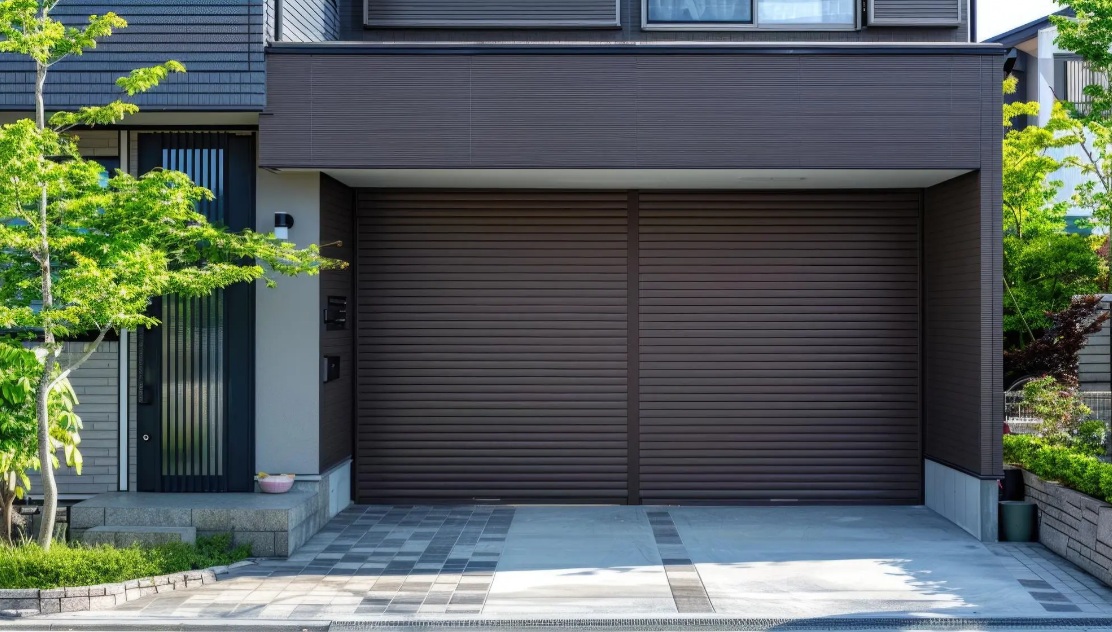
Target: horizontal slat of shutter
(492,13)
(915,12)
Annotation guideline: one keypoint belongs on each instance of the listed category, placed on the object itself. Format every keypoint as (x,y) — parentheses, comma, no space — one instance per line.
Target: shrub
(30,566)
(1056,352)
(1064,416)
(1080,472)
(1090,438)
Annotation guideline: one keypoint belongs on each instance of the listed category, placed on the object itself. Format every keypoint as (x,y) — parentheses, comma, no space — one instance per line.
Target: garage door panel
(779,347)
(492,346)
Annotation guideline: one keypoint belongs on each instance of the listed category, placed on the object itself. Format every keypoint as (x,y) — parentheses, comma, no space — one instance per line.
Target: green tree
(1089,35)
(20,368)
(77,256)
(1044,266)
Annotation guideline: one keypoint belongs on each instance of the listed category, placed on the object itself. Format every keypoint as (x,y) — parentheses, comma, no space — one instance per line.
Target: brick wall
(97,387)
(1073,525)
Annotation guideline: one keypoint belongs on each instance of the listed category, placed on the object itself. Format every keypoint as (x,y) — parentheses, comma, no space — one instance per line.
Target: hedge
(1086,474)
(28,566)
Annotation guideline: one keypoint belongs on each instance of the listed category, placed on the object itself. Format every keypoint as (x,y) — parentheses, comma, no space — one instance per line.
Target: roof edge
(655,48)
(1027,31)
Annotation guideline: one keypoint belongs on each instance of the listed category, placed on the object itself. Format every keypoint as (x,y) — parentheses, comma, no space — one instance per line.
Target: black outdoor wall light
(283,222)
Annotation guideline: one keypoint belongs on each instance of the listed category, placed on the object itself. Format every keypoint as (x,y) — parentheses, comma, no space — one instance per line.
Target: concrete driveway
(415,563)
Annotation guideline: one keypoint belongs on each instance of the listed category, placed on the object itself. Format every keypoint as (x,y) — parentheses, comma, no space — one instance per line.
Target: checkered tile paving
(1054,582)
(367,561)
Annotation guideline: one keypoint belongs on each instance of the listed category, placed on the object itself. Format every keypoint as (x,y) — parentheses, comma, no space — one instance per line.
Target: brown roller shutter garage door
(492,346)
(777,347)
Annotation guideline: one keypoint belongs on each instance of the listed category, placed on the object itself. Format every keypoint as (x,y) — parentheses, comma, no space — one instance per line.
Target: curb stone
(118,624)
(26,602)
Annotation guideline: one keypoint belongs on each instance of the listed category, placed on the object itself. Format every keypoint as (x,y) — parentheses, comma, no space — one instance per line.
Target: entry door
(195,372)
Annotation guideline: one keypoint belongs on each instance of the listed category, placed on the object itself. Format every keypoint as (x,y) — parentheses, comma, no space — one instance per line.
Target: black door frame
(238,442)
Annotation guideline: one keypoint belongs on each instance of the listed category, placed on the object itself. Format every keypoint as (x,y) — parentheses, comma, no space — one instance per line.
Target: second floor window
(1072,75)
(832,13)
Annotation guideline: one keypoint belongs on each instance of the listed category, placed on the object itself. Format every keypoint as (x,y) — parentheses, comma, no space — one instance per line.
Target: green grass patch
(28,566)
(1080,472)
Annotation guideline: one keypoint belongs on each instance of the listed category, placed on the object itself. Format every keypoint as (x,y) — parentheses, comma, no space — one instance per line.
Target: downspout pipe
(278,20)
(972,21)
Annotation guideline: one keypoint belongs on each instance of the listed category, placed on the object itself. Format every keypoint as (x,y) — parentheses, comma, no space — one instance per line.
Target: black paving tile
(1060,607)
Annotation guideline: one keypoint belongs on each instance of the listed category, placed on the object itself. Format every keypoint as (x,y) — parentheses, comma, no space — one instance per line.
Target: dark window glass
(701,11)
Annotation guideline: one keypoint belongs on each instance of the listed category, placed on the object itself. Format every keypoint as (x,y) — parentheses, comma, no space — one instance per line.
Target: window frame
(755,25)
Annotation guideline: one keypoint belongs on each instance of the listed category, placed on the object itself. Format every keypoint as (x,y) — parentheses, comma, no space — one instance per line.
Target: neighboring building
(1046,74)
(632,251)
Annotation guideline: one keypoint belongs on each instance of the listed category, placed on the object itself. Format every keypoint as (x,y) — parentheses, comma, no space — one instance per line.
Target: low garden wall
(22,602)
(1076,526)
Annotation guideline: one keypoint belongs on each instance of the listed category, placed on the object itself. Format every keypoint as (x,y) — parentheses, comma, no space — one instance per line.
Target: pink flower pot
(276,484)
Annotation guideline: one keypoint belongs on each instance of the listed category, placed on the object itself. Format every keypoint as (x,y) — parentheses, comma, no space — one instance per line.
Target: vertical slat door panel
(779,347)
(491,346)
(192,356)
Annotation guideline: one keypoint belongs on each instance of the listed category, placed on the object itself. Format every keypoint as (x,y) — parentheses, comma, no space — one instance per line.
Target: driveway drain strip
(723,624)
(683,578)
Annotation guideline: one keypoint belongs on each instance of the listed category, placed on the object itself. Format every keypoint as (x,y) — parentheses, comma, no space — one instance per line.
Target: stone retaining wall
(22,602)
(1073,525)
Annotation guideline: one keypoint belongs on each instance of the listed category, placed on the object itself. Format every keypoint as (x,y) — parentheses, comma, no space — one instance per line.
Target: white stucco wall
(287,340)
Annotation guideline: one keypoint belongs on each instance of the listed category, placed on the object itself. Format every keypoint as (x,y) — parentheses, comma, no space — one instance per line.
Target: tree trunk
(46,451)
(7,500)
(42,398)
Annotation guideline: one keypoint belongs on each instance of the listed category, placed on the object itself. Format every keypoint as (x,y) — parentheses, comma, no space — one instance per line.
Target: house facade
(602,251)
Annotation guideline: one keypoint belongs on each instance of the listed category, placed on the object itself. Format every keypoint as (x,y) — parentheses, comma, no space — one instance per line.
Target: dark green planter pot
(1018,519)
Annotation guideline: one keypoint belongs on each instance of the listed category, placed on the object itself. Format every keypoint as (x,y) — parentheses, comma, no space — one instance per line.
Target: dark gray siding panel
(630,18)
(963,401)
(492,13)
(779,347)
(304,20)
(1095,358)
(992,275)
(952,323)
(915,12)
(963,313)
(491,346)
(623,111)
(337,224)
(219,41)
(351,19)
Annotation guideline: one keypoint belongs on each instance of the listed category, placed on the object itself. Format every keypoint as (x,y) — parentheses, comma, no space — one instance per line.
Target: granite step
(122,536)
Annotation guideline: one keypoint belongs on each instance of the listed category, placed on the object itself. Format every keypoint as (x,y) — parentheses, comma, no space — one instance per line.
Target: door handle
(146,437)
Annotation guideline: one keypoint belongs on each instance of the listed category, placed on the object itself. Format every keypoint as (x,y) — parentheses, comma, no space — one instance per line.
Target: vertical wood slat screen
(194,412)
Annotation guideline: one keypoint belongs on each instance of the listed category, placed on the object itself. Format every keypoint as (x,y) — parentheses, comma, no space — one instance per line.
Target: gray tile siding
(97,387)
(1096,358)
(219,41)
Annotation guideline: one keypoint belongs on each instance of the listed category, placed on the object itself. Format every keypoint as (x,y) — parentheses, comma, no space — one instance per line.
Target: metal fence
(1023,421)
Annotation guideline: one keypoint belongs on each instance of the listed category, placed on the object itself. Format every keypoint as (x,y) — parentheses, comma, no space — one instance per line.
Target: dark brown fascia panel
(629,111)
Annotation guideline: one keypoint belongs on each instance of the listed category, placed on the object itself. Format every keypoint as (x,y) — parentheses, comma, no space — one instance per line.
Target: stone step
(122,536)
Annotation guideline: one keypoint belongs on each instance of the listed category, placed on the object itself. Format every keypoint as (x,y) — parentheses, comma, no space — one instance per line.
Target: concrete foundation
(964,500)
